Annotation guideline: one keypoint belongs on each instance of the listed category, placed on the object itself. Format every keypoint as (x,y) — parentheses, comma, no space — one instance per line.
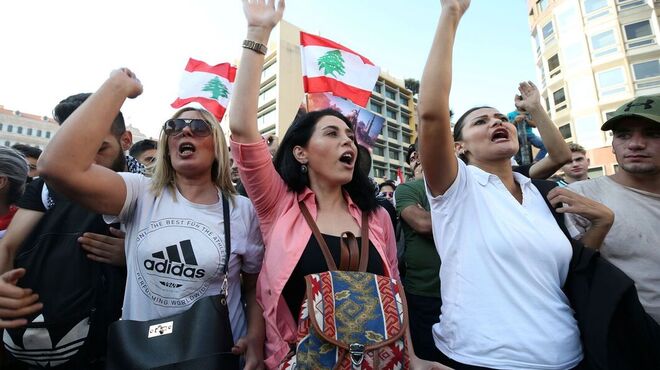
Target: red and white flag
(330,67)
(207,85)
(399,177)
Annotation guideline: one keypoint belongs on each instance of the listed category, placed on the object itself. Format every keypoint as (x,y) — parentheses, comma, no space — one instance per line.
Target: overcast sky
(52,49)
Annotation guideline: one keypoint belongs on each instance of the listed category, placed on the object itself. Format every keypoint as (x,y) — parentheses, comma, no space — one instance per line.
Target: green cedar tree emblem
(332,62)
(217,88)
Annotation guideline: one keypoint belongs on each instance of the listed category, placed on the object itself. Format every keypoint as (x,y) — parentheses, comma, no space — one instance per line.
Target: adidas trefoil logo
(39,350)
(172,264)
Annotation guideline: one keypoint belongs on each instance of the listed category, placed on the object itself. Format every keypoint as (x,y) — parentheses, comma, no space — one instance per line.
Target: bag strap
(225,217)
(348,245)
(319,238)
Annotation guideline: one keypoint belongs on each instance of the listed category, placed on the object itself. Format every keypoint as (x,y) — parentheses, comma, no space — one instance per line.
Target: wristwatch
(255,46)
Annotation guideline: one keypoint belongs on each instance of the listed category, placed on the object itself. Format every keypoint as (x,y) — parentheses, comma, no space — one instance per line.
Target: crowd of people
(504,266)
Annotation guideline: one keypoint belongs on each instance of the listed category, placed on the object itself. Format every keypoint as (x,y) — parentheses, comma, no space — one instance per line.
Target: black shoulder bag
(199,338)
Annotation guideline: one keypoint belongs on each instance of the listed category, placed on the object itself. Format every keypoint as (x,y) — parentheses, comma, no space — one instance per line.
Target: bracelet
(255,46)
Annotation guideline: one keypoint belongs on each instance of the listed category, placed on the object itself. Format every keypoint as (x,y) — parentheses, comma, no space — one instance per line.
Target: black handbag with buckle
(199,338)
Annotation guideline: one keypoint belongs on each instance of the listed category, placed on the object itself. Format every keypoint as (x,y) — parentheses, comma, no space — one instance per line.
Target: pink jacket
(286,234)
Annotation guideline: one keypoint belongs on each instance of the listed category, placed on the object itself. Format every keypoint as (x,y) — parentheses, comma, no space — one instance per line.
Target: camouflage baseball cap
(646,107)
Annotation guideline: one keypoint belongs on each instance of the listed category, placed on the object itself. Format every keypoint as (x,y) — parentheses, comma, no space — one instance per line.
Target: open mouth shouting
(348,158)
(499,135)
(186,150)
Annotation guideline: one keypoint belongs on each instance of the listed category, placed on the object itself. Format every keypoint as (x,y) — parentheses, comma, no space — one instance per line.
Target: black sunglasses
(199,127)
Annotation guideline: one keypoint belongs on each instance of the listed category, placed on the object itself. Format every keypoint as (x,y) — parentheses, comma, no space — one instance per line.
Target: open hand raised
(529,97)
(262,13)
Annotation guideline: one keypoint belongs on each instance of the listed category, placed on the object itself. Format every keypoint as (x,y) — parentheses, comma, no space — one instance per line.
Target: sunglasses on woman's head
(198,127)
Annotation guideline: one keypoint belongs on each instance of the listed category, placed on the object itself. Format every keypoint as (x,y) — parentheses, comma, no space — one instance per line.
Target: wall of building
(25,128)
(593,56)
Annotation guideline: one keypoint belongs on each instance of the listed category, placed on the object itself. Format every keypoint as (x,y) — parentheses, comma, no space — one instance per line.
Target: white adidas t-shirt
(175,252)
(503,266)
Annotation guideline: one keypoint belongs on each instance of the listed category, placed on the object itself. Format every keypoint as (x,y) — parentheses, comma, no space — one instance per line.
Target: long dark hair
(458,128)
(359,188)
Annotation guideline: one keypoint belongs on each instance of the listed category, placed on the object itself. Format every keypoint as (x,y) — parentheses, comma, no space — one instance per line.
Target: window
(543,5)
(565,131)
(392,133)
(553,65)
(19,130)
(638,34)
(603,43)
(375,107)
(595,172)
(559,97)
(403,100)
(379,172)
(47,134)
(393,174)
(595,8)
(390,94)
(406,138)
(267,119)
(268,95)
(269,71)
(378,87)
(29,132)
(7,143)
(405,119)
(379,150)
(391,113)
(611,82)
(548,32)
(38,133)
(645,70)
(627,4)
(10,128)
(646,74)
(394,154)
(547,103)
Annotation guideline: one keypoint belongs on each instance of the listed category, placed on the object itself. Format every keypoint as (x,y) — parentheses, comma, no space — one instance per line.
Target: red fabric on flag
(307,39)
(338,88)
(224,70)
(210,105)
(399,175)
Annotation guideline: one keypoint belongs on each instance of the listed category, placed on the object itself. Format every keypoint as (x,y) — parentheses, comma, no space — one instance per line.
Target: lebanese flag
(207,85)
(330,67)
(399,177)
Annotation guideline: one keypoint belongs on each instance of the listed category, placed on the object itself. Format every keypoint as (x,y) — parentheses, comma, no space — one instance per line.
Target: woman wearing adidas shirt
(175,249)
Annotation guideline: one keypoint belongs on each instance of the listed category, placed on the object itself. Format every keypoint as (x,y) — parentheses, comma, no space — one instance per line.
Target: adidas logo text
(173,268)
(172,265)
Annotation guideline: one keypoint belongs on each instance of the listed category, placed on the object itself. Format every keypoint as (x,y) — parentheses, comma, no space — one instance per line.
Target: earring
(303,169)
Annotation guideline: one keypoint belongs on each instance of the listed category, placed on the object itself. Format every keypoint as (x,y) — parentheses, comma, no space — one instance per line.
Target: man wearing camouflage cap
(633,194)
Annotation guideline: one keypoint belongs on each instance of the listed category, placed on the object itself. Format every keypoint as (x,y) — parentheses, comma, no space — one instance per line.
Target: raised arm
(558,151)
(68,162)
(436,147)
(261,17)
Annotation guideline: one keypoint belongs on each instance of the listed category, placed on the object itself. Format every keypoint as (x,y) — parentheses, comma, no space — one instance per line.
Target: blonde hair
(164,174)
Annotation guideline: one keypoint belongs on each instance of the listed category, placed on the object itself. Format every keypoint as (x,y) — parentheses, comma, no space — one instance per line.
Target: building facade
(23,128)
(591,57)
(281,95)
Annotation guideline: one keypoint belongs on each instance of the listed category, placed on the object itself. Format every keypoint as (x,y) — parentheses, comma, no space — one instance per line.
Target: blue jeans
(538,143)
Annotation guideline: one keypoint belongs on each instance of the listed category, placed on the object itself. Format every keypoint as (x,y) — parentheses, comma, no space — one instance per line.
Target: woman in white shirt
(504,258)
